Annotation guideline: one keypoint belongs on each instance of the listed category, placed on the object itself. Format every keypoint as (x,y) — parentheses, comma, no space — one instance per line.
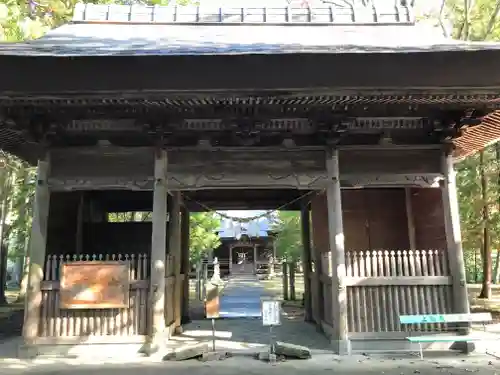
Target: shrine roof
(377,56)
(104,30)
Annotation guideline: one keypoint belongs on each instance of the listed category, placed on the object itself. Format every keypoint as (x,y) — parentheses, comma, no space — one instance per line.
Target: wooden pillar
(272,259)
(453,237)
(337,254)
(411,220)
(186,268)
(174,248)
(230,259)
(37,252)
(306,260)
(285,280)
(158,250)
(293,296)
(255,258)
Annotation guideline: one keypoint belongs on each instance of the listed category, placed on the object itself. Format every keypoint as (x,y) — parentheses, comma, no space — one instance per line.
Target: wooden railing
(56,322)
(384,284)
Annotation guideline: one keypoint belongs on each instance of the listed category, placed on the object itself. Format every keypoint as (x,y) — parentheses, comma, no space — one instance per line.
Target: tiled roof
(478,137)
(179,30)
(289,13)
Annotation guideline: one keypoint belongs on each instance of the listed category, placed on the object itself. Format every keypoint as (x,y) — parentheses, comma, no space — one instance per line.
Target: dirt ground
(238,365)
(252,338)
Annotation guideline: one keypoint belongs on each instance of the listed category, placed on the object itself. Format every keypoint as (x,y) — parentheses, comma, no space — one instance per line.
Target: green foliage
(202,234)
(29,19)
(289,235)
(471,206)
(129,217)
(202,226)
(477,22)
(20,213)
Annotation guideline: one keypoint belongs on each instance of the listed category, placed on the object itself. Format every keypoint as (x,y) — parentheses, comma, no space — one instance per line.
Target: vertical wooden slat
(54,313)
(46,302)
(358,322)
(402,265)
(394,291)
(376,308)
(134,317)
(352,298)
(428,291)
(370,302)
(363,292)
(421,308)
(389,293)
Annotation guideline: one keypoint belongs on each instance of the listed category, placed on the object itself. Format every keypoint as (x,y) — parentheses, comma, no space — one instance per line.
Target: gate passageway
(241,297)
(240,327)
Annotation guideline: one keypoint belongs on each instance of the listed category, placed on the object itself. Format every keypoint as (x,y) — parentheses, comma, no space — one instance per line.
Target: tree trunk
(3,247)
(496,273)
(497,157)
(486,251)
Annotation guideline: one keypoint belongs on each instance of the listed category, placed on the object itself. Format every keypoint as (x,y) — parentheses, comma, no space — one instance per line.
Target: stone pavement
(240,328)
(241,297)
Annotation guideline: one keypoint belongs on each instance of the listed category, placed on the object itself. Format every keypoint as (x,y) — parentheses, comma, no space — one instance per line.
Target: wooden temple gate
(158,123)
(396,262)
(76,218)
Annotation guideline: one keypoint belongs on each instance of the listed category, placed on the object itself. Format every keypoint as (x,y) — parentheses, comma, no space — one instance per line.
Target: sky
(242,213)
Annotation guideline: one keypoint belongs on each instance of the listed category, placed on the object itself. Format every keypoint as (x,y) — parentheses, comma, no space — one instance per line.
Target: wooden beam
(37,252)
(337,253)
(394,281)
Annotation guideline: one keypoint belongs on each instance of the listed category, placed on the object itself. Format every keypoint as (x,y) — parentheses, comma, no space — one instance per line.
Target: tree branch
(440,18)
(492,21)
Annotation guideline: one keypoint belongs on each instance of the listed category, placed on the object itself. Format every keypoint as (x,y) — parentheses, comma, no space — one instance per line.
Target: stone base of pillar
(341,347)
(155,345)
(464,347)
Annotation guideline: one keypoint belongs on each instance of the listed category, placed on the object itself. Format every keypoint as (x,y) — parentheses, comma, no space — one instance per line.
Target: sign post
(212,309)
(271,317)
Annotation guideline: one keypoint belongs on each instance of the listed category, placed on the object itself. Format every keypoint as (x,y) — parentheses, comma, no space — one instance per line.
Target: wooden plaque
(212,304)
(94,285)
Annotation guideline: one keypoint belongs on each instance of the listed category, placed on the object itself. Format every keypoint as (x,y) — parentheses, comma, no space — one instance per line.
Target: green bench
(443,319)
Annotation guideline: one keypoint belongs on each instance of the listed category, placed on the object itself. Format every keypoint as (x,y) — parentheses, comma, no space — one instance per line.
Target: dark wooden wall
(98,237)
(376,219)
(428,217)
(61,229)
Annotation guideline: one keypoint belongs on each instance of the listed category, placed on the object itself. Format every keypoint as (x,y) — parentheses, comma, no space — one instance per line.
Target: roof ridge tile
(207,14)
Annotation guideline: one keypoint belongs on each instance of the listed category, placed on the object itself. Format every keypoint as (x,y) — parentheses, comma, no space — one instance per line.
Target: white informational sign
(271,312)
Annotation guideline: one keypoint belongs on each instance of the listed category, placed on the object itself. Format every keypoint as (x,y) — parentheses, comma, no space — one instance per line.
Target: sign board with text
(271,312)
(212,304)
(94,285)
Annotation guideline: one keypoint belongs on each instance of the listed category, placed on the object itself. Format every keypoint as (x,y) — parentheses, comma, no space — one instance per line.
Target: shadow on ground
(11,325)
